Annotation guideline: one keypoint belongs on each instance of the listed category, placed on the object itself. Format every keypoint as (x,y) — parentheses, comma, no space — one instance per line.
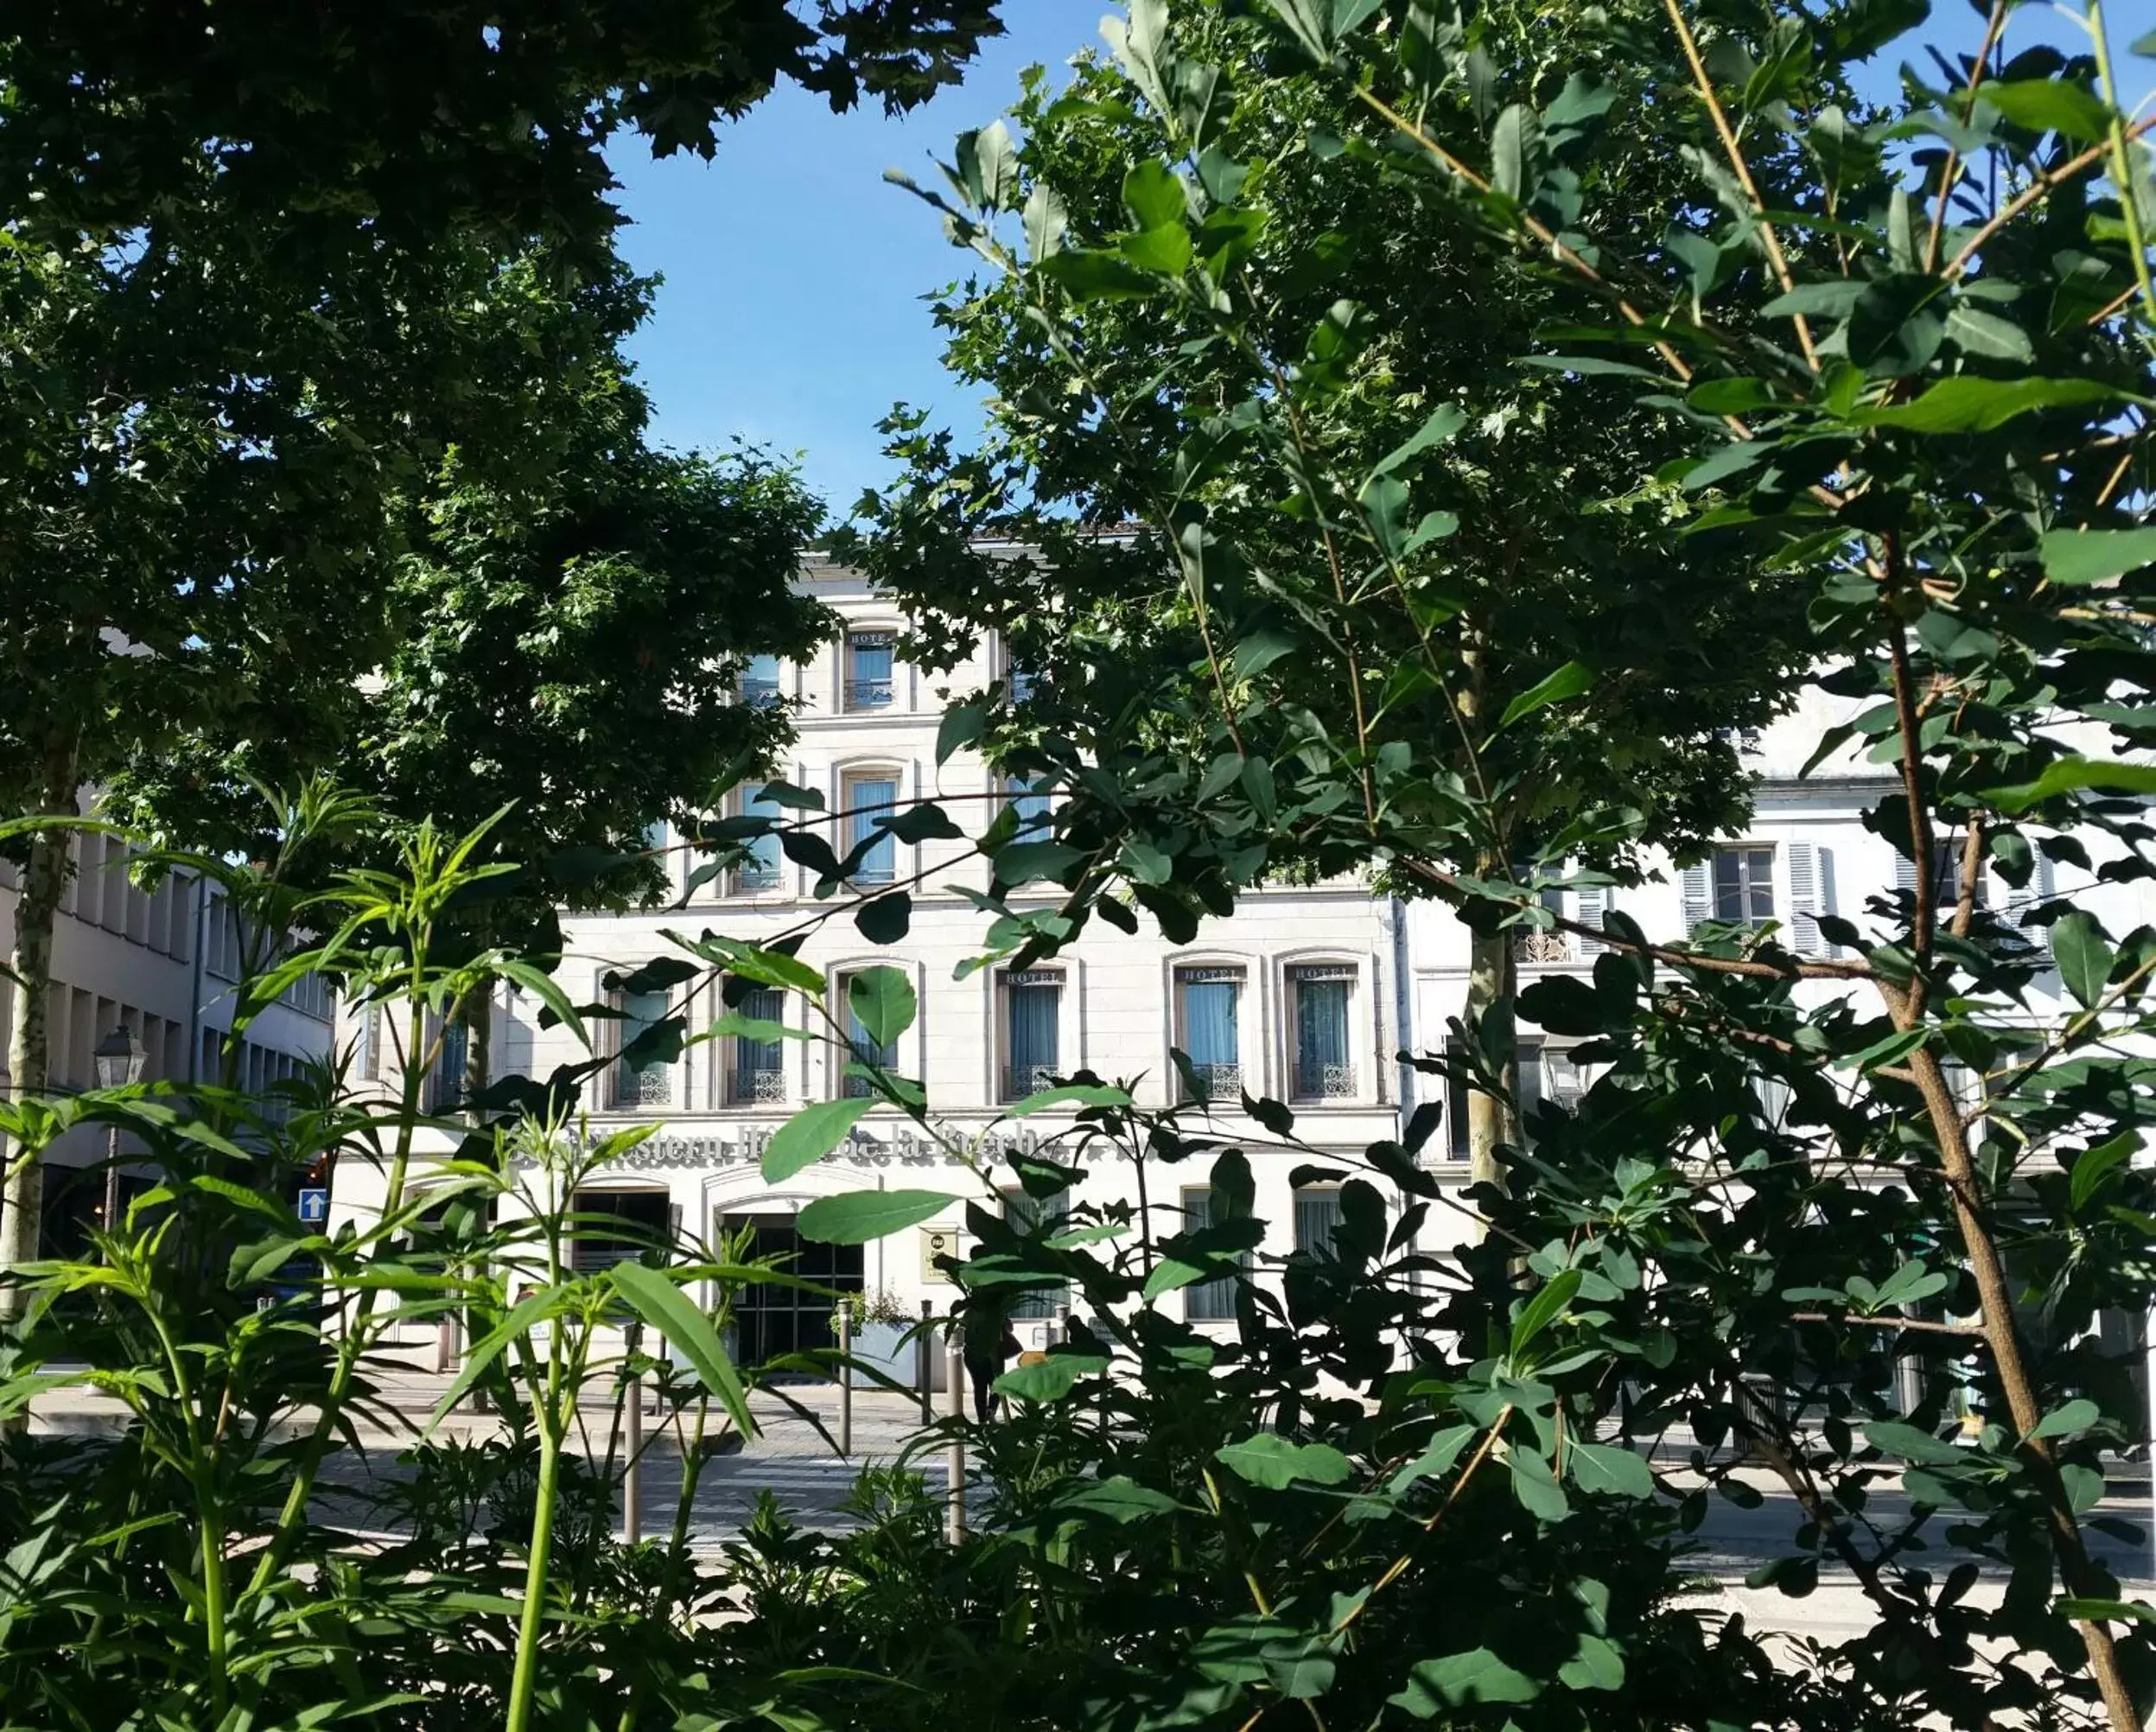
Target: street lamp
(118,1059)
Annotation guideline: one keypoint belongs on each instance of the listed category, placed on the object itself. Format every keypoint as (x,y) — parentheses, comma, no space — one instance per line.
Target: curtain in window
(866,1052)
(652,1085)
(1322,1065)
(1317,1212)
(448,1071)
(760,865)
(1209,1022)
(1210,1302)
(757,1064)
(1033,1004)
(1045,1216)
(868,669)
(1031,806)
(865,798)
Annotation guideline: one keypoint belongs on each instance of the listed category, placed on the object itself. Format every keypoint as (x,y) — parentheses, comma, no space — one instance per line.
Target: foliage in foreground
(1886,1165)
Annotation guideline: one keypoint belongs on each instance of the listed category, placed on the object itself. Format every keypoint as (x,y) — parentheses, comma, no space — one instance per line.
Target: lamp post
(118,1059)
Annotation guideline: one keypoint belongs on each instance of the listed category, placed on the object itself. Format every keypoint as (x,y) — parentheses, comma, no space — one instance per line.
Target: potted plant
(880,1320)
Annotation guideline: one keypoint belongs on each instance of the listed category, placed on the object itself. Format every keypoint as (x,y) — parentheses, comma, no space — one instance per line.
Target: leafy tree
(1478,516)
(243,252)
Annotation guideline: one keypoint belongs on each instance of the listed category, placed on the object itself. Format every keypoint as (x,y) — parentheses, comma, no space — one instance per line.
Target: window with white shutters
(1810,875)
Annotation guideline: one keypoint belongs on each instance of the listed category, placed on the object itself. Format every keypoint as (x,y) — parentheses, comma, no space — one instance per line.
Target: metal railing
(1545,947)
(1324,1080)
(1215,1082)
(757,1087)
(755,874)
(1020,1081)
(651,1086)
(759,694)
(868,694)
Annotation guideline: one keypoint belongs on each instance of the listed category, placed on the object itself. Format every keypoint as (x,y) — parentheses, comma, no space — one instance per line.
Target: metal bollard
(632,1471)
(845,1382)
(955,1461)
(920,1366)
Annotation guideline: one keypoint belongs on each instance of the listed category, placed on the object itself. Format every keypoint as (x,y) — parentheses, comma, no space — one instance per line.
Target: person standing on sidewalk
(987,1343)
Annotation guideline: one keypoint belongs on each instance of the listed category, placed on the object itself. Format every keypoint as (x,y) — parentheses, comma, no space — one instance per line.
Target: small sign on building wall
(940,1242)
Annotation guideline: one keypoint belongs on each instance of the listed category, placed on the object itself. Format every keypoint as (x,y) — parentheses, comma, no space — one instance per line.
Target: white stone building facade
(165,963)
(1306,996)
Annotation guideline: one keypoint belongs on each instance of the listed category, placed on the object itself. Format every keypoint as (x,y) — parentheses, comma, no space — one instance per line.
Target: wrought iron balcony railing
(651,1086)
(758,1088)
(1020,1081)
(868,694)
(1324,1080)
(752,876)
(1545,947)
(1216,1082)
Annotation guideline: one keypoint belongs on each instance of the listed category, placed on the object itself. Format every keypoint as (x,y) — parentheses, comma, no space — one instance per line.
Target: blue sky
(792,312)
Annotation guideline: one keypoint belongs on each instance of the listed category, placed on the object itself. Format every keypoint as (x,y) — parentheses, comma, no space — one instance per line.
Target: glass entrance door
(772,1322)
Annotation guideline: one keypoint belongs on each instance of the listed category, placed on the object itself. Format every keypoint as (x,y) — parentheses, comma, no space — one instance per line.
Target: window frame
(846,818)
(621,1098)
(1181,971)
(1349,970)
(1008,1088)
(851,684)
(725,1068)
(1748,890)
(1217,1295)
(737,884)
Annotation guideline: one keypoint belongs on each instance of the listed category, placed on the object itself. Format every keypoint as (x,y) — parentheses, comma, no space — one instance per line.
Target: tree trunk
(22,1206)
(1492,983)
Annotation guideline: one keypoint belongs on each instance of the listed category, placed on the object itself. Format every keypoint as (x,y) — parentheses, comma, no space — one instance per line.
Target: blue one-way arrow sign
(314,1204)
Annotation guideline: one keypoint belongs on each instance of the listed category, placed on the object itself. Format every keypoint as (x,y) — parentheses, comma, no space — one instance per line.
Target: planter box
(884,1347)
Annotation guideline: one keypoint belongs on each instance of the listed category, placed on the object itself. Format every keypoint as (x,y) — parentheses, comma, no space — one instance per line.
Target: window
(868,669)
(1044,1216)
(756,1070)
(867,795)
(1210,1302)
(652,1084)
(1032,1018)
(618,1227)
(760,682)
(1320,994)
(1744,885)
(864,1051)
(1946,877)
(1028,798)
(1317,1213)
(758,867)
(1542,1075)
(445,1089)
(1207,1002)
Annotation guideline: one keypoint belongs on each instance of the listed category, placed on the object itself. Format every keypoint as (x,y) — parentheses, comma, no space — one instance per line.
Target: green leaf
(748,962)
(2063,1422)
(2106,1611)
(1835,298)
(2047,104)
(1598,1665)
(2064,774)
(962,725)
(1516,152)
(661,1303)
(2093,1166)
(1910,1443)
(1478,1675)
(1271,1460)
(532,1310)
(812,1134)
(1119,1498)
(1987,334)
(1445,421)
(882,1001)
(988,166)
(1165,252)
(886,920)
(1436,1459)
(1092,276)
(860,1216)
(1384,502)
(1609,1468)
(2084,958)
(1536,1486)
(1568,681)
(1154,194)
(1050,1379)
(1025,863)
(1261,648)
(1966,404)
(1542,1310)
(2094,556)
(1068,1094)
(733,1025)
